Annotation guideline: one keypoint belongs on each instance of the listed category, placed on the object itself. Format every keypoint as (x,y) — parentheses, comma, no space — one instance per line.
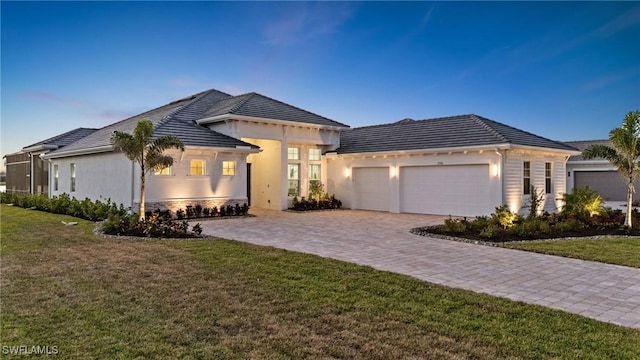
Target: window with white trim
(293,177)
(56,176)
(197,167)
(293,153)
(72,167)
(165,171)
(315,154)
(547,178)
(526,177)
(229,168)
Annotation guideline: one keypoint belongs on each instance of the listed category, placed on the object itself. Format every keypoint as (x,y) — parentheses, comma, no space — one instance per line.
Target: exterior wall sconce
(347,172)
(494,170)
(393,170)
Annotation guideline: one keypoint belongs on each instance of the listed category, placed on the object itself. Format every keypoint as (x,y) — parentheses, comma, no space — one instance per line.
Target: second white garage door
(446,190)
(371,188)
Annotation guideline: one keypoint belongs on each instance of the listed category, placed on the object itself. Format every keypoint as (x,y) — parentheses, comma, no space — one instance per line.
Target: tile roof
(582,145)
(65,138)
(257,105)
(446,132)
(179,118)
(174,118)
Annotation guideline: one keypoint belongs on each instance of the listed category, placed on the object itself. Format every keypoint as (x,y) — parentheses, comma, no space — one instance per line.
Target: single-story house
(598,174)
(251,148)
(27,173)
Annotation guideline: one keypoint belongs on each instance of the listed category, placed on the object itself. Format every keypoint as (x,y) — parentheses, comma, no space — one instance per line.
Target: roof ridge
(483,122)
(523,131)
(297,108)
(413,121)
(193,99)
(248,96)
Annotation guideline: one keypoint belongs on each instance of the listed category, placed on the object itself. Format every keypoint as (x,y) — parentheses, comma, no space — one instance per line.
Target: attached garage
(609,184)
(371,188)
(446,190)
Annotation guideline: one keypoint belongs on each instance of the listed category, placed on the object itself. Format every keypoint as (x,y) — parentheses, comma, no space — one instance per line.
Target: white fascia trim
(589,162)
(423,151)
(546,149)
(226,117)
(77,152)
(237,149)
(40,147)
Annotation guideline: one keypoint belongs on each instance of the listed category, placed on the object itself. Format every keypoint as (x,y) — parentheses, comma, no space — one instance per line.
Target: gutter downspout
(502,161)
(31,173)
(566,159)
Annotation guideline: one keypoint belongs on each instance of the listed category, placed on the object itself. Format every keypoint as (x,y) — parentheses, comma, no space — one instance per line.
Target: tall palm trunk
(630,191)
(142,197)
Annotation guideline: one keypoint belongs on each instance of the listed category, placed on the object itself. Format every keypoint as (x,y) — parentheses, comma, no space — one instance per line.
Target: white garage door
(446,190)
(371,188)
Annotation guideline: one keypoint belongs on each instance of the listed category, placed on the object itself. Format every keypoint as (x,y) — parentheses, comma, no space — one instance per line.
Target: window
(526,177)
(196,167)
(165,171)
(56,175)
(293,153)
(314,176)
(547,178)
(229,168)
(314,154)
(73,177)
(293,175)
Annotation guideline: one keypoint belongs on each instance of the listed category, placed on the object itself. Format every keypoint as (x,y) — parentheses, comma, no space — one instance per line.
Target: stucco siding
(98,177)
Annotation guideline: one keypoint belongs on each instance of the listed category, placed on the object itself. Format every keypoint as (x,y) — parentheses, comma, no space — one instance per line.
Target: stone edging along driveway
(382,240)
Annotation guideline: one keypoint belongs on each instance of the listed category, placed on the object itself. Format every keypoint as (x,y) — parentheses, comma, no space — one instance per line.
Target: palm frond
(166,142)
(125,142)
(158,161)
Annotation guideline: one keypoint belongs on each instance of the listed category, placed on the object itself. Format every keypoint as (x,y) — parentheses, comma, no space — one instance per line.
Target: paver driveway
(382,240)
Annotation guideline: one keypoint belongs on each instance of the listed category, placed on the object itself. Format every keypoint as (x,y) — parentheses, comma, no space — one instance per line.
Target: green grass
(95,297)
(614,250)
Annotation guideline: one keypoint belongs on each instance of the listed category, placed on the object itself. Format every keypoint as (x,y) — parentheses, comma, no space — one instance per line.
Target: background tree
(146,151)
(623,154)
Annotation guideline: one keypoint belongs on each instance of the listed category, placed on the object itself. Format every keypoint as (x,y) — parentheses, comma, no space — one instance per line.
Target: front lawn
(616,250)
(95,297)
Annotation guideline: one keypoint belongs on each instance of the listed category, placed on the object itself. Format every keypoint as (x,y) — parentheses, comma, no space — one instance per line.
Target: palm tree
(148,152)
(623,154)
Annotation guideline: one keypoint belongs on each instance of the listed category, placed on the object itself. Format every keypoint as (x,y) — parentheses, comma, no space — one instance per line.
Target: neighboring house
(27,172)
(460,165)
(598,174)
(251,148)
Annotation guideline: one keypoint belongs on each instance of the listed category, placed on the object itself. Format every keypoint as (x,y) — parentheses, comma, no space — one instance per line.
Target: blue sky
(563,70)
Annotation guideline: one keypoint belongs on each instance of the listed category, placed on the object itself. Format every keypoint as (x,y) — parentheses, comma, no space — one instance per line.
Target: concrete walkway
(381,240)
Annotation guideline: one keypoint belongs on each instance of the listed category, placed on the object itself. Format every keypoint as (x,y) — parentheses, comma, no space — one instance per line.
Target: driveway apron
(381,240)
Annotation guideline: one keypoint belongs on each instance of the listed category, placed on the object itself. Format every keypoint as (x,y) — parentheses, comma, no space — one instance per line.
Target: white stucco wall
(180,185)
(98,177)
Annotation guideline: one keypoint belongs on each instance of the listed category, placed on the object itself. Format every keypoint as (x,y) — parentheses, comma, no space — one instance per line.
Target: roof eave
(547,149)
(40,147)
(78,152)
(235,149)
(225,117)
(443,150)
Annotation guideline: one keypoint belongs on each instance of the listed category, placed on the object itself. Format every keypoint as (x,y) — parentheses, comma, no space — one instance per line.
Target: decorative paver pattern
(382,240)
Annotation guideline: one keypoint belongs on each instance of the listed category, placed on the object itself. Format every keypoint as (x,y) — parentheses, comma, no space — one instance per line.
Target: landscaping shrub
(66,205)
(455,226)
(325,203)
(155,225)
(504,217)
(582,202)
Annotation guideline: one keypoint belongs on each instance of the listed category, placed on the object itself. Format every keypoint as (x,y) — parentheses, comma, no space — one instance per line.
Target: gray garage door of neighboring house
(371,188)
(446,190)
(609,184)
